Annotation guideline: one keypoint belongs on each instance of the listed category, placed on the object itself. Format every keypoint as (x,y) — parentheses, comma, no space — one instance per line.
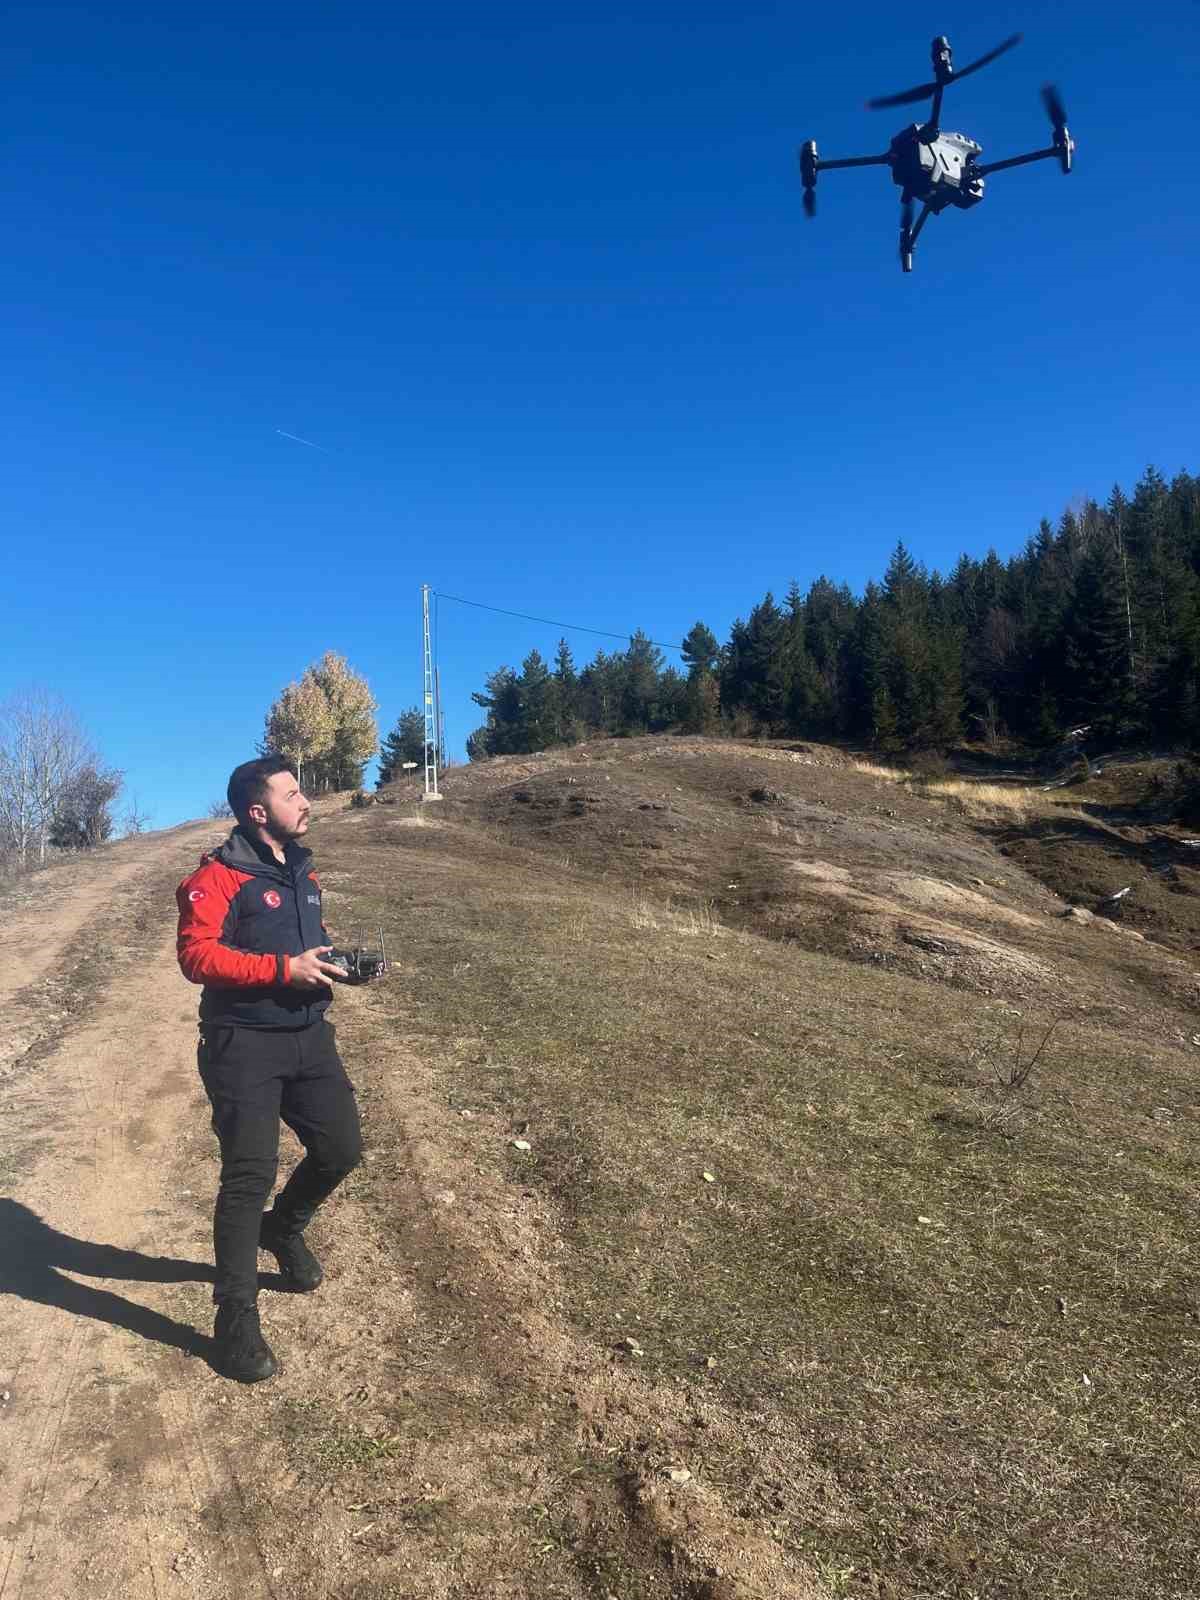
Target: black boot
(300,1268)
(242,1352)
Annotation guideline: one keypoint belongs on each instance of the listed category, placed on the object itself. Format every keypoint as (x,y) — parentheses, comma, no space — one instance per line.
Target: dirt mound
(723,829)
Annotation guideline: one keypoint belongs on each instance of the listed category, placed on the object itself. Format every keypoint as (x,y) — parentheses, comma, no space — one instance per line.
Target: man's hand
(310,972)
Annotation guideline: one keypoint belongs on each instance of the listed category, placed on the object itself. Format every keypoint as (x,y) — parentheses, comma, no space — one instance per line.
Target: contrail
(299,440)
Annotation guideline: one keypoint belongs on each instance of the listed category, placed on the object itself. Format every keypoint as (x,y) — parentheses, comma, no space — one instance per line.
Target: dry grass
(870,769)
(697,921)
(1015,804)
(690,921)
(988,802)
(935,1347)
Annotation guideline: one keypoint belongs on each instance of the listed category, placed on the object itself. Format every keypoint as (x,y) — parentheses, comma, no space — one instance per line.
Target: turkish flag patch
(273,899)
(195,894)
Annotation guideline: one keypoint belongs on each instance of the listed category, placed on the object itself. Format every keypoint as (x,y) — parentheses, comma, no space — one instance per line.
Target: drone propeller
(911,96)
(1055,109)
(1057,113)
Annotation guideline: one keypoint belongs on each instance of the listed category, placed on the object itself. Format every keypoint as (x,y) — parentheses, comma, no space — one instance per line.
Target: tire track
(58,1412)
(39,1460)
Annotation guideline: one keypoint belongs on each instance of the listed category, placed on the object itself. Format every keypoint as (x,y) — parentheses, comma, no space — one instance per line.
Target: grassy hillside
(860,1182)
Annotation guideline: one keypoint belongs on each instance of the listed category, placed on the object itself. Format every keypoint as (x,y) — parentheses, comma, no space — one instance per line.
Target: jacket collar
(245,854)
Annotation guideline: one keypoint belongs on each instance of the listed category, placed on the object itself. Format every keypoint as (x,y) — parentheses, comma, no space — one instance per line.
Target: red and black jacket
(242,916)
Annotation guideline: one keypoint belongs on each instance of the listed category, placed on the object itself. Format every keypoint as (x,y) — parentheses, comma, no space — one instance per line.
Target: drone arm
(1015,161)
(855,161)
(1062,150)
(811,164)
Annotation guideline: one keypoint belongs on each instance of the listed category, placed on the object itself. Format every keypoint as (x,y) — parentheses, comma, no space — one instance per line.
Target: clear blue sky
(537,280)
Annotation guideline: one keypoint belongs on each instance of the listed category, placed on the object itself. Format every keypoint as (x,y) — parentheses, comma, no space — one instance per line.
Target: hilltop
(780,1183)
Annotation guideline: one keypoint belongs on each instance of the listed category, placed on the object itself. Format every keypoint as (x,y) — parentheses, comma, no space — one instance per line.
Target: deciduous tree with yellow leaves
(325,723)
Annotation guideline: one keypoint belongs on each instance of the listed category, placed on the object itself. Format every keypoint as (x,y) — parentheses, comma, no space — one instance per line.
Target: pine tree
(830,614)
(1097,689)
(641,667)
(904,581)
(995,656)
(405,743)
(1044,690)
(701,708)
(700,650)
(502,733)
(753,676)
(804,710)
(477,745)
(1174,698)
(943,701)
(536,690)
(885,727)
(918,660)
(566,696)
(600,693)
(1147,523)
(672,698)
(1185,518)
(702,702)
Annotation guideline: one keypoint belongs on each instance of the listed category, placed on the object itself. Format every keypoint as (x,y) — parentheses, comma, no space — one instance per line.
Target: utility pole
(431,729)
(441,718)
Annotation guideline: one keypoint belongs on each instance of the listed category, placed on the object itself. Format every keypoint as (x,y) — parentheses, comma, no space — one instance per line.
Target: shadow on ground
(34,1258)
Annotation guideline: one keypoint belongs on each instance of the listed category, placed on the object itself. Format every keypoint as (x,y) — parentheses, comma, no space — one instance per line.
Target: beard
(281,833)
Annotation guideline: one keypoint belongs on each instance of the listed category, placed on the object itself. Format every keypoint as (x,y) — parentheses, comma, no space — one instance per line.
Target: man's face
(284,813)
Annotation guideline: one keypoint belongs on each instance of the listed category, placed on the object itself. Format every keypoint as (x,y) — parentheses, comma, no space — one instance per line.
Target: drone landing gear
(909,233)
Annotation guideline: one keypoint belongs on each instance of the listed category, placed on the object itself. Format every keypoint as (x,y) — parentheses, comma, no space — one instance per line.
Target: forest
(1096,621)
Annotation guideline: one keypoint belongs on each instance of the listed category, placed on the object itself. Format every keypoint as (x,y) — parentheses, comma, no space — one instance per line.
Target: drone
(940,169)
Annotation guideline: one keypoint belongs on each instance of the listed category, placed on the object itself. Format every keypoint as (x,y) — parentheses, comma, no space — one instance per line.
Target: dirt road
(434,1424)
(111,1467)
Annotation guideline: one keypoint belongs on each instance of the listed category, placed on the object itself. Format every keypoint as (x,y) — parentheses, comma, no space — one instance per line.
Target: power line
(571,627)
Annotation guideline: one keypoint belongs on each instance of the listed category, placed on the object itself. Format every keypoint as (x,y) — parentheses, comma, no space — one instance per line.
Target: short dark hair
(248,783)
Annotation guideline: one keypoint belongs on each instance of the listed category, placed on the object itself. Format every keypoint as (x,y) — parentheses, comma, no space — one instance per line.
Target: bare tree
(135,820)
(43,750)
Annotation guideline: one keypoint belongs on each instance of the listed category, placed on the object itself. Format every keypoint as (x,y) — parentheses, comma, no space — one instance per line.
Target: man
(250,931)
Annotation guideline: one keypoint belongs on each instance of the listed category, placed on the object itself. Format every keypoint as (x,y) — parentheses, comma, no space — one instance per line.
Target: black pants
(255,1077)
